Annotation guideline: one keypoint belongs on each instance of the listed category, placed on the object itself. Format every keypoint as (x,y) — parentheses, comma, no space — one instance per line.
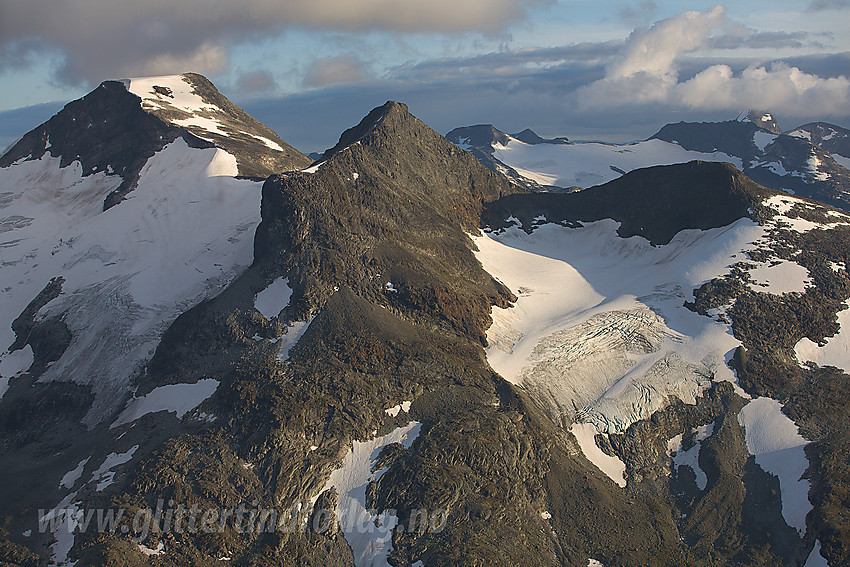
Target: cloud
(654,51)
(255,82)
(105,38)
(335,70)
(646,71)
(819,5)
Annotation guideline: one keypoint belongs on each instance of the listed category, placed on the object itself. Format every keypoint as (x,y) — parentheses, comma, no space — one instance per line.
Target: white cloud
(646,71)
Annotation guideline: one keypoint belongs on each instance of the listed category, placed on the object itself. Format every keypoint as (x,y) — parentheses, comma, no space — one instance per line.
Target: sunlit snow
(368,534)
(587,164)
(181,236)
(772,438)
(599,332)
(836,351)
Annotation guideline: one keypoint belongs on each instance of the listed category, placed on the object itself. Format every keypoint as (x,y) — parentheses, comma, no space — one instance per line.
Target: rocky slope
(619,375)
(793,162)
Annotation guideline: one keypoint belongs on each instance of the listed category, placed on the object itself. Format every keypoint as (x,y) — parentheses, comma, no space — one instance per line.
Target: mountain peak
(529,136)
(761,118)
(365,126)
(192,102)
(478,136)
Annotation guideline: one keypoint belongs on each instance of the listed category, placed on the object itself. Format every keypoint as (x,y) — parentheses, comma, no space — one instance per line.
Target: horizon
(568,68)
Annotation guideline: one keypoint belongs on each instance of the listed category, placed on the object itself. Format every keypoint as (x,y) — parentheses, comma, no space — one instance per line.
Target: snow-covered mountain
(794,162)
(807,161)
(559,165)
(396,356)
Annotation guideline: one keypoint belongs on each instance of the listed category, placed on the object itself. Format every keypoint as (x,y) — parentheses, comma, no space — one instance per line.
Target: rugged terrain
(809,161)
(638,373)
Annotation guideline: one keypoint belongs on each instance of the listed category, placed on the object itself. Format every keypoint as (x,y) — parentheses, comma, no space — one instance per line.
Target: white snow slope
(588,164)
(369,534)
(599,333)
(180,237)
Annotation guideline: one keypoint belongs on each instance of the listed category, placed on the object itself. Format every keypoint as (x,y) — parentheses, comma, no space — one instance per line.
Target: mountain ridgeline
(362,318)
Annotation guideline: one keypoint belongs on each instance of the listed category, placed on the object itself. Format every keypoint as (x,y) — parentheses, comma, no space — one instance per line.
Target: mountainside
(398,357)
(793,162)
(832,138)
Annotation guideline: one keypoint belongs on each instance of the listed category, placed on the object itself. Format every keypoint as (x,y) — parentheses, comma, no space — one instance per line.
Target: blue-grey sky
(586,69)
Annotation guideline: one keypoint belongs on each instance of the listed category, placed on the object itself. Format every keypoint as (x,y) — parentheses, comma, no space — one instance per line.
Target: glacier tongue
(599,333)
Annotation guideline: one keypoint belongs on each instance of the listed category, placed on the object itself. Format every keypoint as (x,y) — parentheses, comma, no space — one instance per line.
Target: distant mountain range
(219,351)
(810,160)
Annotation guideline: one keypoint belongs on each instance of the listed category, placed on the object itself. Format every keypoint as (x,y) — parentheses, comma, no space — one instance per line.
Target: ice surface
(271,301)
(368,534)
(176,398)
(614,468)
(772,438)
(836,351)
(599,332)
(180,237)
(587,164)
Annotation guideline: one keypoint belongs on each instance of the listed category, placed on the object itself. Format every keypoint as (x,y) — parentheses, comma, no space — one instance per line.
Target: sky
(608,70)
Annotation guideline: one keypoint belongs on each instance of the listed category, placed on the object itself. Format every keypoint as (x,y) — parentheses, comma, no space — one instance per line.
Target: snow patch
(104,475)
(836,351)
(271,301)
(371,548)
(779,277)
(394,411)
(175,398)
(815,558)
(690,457)
(12,365)
(763,139)
(71,477)
(293,334)
(773,439)
(843,161)
(613,467)
(158,550)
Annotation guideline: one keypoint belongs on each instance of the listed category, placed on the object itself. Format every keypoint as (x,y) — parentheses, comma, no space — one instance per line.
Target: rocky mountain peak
(761,118)
(478,136)
(529,136)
